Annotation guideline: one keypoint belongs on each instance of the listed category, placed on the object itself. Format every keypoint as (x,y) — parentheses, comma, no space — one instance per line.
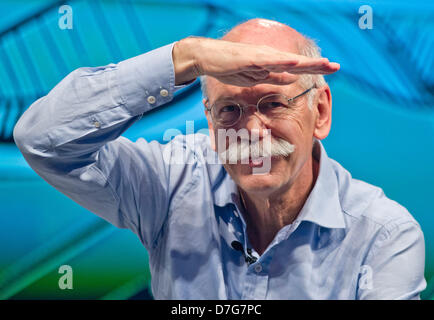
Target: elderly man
(300,229)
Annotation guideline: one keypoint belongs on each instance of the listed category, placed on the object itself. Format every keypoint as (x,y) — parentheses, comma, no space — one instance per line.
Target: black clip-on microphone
(247,257)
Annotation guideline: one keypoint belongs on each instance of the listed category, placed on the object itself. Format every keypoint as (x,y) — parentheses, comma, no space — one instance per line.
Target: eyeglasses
(227,113)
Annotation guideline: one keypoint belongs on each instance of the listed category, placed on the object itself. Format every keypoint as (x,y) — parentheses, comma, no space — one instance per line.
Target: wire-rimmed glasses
(227,113)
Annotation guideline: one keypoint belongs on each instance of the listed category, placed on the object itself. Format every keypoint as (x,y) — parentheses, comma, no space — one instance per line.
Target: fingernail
(335,65)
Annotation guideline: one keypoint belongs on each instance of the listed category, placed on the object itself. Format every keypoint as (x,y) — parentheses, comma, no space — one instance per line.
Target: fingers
(279,74)
(317,68)
(223,58)
(248,65)
(278,61)
(313,66)
(334,66)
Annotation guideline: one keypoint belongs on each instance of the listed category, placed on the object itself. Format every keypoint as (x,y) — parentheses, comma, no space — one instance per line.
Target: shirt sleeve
(71,138)
(394,268)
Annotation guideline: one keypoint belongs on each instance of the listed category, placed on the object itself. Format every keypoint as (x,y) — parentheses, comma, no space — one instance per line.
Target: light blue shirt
(348,242)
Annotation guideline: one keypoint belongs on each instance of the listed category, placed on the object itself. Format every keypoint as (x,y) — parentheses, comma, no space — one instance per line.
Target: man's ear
(323,113)
(210,126)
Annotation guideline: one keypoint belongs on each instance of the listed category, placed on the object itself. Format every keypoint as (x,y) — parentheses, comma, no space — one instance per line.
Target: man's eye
(272,105)
(276,104)
(230,108)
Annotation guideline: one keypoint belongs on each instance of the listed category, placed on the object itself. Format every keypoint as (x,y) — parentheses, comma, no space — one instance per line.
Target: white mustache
(245,150)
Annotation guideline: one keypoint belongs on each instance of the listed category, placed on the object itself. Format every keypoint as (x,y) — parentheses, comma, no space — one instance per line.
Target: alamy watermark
(366,21)
(66,19)
(66,280)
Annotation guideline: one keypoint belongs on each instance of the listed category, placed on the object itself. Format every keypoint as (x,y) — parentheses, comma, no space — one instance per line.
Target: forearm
(93,106)
(71,138)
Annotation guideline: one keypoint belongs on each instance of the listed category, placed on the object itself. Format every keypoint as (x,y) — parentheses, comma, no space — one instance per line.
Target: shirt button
(164,93)
(151,99)
(97,124)
(258,268)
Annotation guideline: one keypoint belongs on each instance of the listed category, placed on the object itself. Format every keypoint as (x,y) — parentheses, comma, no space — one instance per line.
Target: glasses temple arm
(304,92)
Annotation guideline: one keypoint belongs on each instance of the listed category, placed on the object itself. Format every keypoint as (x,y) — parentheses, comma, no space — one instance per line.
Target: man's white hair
(309,49)
(312,50)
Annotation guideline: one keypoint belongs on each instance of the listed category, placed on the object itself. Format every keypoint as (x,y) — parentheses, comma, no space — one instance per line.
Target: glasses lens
(226,113)
(273,105)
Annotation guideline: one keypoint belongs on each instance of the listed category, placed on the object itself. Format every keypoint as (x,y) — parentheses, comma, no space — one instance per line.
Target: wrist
(184,60)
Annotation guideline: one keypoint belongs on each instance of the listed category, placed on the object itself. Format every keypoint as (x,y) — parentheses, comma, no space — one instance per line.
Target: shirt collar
(322,206)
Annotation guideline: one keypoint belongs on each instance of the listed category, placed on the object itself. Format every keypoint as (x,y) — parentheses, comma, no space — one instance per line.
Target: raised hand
(242,64)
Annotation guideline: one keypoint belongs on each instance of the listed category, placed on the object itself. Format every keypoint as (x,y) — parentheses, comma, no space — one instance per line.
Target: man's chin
(258,183)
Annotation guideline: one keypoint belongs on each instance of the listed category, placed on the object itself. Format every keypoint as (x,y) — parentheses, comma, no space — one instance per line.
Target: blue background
(382,129)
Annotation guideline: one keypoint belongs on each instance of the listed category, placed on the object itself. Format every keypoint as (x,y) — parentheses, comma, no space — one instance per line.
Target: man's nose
(254,121)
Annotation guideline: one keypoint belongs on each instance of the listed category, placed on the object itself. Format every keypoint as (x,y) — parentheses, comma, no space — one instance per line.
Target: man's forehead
(267,32)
